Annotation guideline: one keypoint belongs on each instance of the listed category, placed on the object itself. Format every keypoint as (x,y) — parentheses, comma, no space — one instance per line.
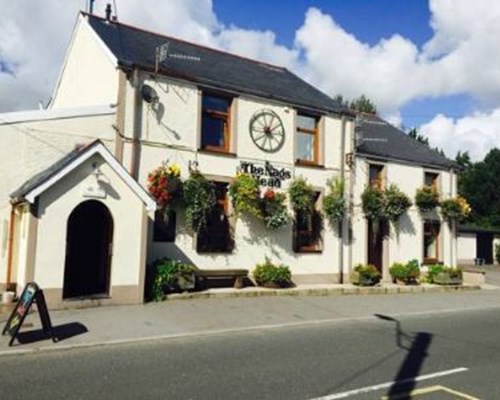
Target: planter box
(445,279)
(360,280)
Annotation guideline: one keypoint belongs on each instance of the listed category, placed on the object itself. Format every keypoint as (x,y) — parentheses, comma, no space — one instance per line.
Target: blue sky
(368,20)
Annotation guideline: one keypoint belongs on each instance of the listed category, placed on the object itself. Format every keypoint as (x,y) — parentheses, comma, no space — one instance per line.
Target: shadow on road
(60,332)
(404,381)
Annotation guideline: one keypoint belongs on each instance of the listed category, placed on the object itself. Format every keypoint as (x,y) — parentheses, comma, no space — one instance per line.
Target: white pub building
(75,213)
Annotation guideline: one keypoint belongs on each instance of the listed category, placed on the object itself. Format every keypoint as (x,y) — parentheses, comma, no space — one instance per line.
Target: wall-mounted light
(149,95)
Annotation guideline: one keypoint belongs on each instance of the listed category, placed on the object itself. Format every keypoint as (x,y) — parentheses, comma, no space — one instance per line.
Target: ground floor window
(164,226)
(216,235)
(431,241)
(307,230)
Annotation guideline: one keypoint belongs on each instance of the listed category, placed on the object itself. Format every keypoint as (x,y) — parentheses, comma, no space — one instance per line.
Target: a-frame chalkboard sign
(31,293)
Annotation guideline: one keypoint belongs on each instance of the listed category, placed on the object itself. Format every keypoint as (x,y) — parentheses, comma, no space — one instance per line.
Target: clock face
(267,131)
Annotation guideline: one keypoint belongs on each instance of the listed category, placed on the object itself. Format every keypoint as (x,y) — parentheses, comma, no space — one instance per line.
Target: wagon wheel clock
(267,131)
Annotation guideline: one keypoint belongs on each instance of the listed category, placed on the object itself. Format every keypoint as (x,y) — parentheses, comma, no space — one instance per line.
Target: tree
(413,133)
(463,159)
(363,104)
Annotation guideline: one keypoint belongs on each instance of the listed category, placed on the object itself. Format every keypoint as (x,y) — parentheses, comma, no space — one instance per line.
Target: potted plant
(274,211)
(407,274)
(245,195)
(199,199)
(334,203)
(165,185)
(426,199)
(443,275)
(169,276)
(365,275)
(271,275)
(396,203)
(455,209)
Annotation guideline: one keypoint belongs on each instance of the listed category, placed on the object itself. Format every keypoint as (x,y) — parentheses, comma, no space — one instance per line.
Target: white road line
(386,385)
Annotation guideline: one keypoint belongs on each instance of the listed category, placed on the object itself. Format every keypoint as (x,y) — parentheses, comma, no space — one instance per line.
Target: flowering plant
(334,204)
(274,209)
(426,199)
(455,209)
(199,199)
(396,203)
(245,194)
(165,185)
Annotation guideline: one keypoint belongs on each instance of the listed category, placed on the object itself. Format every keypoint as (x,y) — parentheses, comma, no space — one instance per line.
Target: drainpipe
(343,222)
(10,246)
(453,227)
(136,124)
(352,177)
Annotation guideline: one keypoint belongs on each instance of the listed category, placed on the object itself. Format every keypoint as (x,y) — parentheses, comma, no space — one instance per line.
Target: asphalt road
(303,362)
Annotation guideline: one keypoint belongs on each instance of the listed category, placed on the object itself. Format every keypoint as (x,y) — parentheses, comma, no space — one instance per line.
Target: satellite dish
(148,94)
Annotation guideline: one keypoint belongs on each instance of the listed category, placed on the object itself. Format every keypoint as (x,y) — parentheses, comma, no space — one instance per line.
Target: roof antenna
(108,12)
(91,6)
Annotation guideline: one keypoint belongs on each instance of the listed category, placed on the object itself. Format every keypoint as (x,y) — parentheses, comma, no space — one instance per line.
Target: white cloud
(477,133)
(460,58)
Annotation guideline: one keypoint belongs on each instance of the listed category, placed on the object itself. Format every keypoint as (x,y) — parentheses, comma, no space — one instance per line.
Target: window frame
(436,259)
(317,246)
(225,116)
(315,134)
(379,182)
(435,180)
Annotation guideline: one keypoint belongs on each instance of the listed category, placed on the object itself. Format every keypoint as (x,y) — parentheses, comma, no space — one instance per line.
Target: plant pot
(186,282)
(361,280)
(8,297)
(272,285)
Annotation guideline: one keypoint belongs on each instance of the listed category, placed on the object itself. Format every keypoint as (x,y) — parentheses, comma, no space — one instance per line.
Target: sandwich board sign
(31,294)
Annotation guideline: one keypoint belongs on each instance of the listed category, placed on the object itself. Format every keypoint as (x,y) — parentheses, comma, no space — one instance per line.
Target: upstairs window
(216,236)
(376,176)
(215,123)
(307,139)
(307,230)
(431,179)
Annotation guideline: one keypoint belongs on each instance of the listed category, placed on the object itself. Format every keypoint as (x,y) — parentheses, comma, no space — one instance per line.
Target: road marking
(431,389)
(386,385)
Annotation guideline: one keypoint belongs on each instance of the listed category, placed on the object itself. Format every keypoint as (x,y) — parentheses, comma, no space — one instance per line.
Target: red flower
(269,194)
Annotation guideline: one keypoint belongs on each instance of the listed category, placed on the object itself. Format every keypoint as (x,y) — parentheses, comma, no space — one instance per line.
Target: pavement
(230,310)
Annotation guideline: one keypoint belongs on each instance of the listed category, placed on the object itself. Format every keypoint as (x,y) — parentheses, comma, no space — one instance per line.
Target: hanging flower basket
(165,185)
(301,195)
(396,203)
(455,209)
(334,204)
(245,195)
(274,210)
(199,199)
(426,199)
(373,203)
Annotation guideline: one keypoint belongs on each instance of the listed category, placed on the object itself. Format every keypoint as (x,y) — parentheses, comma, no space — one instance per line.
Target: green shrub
(432,271)
(436,271)
(165,276)
(270,273)
(407,273)
(365,275)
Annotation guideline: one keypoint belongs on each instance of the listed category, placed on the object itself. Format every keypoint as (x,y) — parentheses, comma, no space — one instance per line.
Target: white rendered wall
(89,75)
(55,207)
(467,248)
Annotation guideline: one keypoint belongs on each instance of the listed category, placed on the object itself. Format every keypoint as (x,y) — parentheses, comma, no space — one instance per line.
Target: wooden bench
(238,275)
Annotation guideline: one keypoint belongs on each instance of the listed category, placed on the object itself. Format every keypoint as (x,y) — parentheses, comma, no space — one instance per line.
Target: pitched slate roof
(210,67)
(378,138)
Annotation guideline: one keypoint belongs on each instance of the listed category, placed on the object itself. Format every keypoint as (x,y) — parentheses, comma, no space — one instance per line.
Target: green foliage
(479,183)
(164,275)
(199,199)
(273,205)
(301,195)
(451,210)
(365,275)
(407,273)
(334,204)
(413,133)
(426,199)
(396,203)
(270,273)
(438,273)
(245,195)
(363,104)
(373,203)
